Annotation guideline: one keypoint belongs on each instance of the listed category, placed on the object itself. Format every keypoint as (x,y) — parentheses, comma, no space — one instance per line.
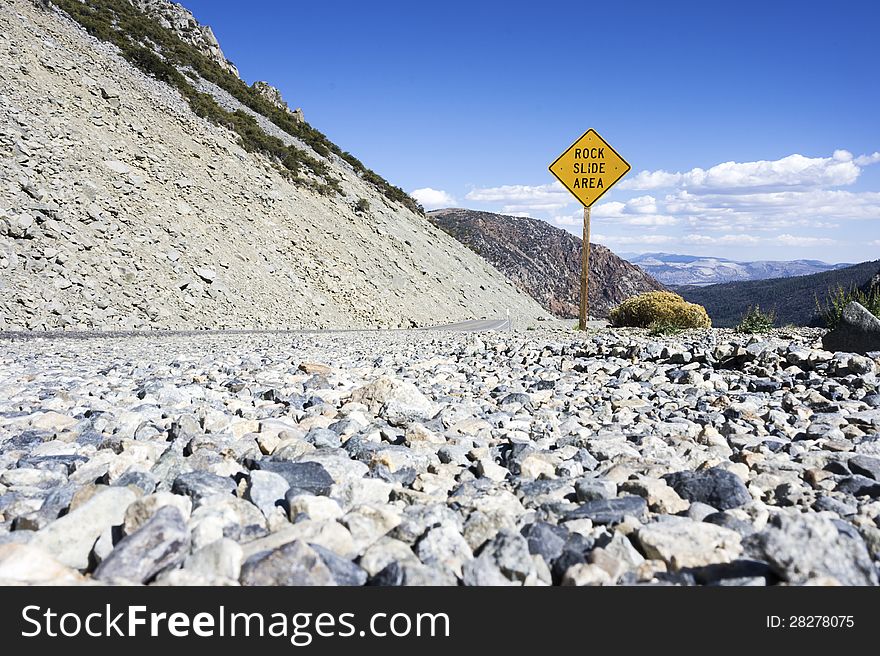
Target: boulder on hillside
(857,332)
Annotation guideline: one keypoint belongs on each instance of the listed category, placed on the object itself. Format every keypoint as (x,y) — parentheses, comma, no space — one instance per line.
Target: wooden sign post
(588,168)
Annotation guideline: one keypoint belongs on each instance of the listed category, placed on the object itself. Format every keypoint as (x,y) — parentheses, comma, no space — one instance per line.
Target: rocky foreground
(410,458)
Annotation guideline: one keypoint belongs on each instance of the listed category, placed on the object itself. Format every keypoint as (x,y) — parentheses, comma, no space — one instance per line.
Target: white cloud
(867,160)
(799,241)
(696,239)
(626,240)
(645,180)
(432,199)
(575,219)
(537,207)
(724,239)
(772,211)
(763,206)
(546,198)
(793,171)
(639,211)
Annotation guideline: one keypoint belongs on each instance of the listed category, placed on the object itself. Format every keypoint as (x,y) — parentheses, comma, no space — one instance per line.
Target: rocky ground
(408,458)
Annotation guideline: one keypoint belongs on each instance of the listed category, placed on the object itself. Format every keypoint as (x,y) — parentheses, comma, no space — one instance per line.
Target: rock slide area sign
(589,167)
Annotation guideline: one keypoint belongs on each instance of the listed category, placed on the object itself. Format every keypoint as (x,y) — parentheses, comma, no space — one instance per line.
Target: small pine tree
(756,321)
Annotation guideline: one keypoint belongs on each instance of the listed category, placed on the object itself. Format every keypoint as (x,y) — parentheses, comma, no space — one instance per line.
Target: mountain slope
(673,269)
(122,208)
(545,261)
(793,299)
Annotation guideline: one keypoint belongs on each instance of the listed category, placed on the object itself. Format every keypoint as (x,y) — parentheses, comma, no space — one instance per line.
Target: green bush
(363,205)
(838,298)
(756,321)
(660,309)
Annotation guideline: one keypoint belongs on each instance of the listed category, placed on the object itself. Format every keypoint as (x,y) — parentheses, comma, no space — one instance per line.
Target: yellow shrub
(660,308)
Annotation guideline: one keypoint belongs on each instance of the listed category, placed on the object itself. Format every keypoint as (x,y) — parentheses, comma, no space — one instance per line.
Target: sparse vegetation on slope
(756,321)
(838,298)
(158,51)
(792,299)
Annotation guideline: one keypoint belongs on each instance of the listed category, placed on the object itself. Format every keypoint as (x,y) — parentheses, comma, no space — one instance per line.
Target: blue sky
(751,127)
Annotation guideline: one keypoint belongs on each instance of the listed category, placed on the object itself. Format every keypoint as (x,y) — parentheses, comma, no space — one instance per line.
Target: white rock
(28,564)
(681,542)
(317,508)
(117,167)
(221,559)
(70,538)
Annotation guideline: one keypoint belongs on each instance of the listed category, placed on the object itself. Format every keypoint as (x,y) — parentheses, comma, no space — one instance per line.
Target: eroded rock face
(178,18)
(545,261)
(273,95)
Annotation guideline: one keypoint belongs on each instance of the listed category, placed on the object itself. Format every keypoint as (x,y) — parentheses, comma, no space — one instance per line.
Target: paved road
(473,326)
(477,325)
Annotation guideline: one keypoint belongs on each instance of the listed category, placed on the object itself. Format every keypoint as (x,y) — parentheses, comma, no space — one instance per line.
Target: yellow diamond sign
(589,167)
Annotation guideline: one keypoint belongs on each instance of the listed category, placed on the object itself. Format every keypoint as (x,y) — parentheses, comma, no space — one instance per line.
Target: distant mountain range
(672,269)
(793,298)
(545,261)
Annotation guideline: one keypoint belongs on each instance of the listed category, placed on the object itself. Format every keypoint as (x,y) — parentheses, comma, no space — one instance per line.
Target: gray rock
(323,438)
(293,564)
(504,560)
(716,487)
(266,490)
(865,466)
(858,486)
(146,482)
(344,571)
(201,484)
(304,477)
(825,502)
(56,503)
(802,547)
(411,574)
(397,401)
(444,547)
(161,543)
(545,539)
(857,332)
(610,511)
(729,521)
(590,489)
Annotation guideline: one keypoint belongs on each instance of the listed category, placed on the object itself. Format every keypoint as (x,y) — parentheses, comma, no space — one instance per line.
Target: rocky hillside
(143,185)
(177,18)
(793,299)
(545,261)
